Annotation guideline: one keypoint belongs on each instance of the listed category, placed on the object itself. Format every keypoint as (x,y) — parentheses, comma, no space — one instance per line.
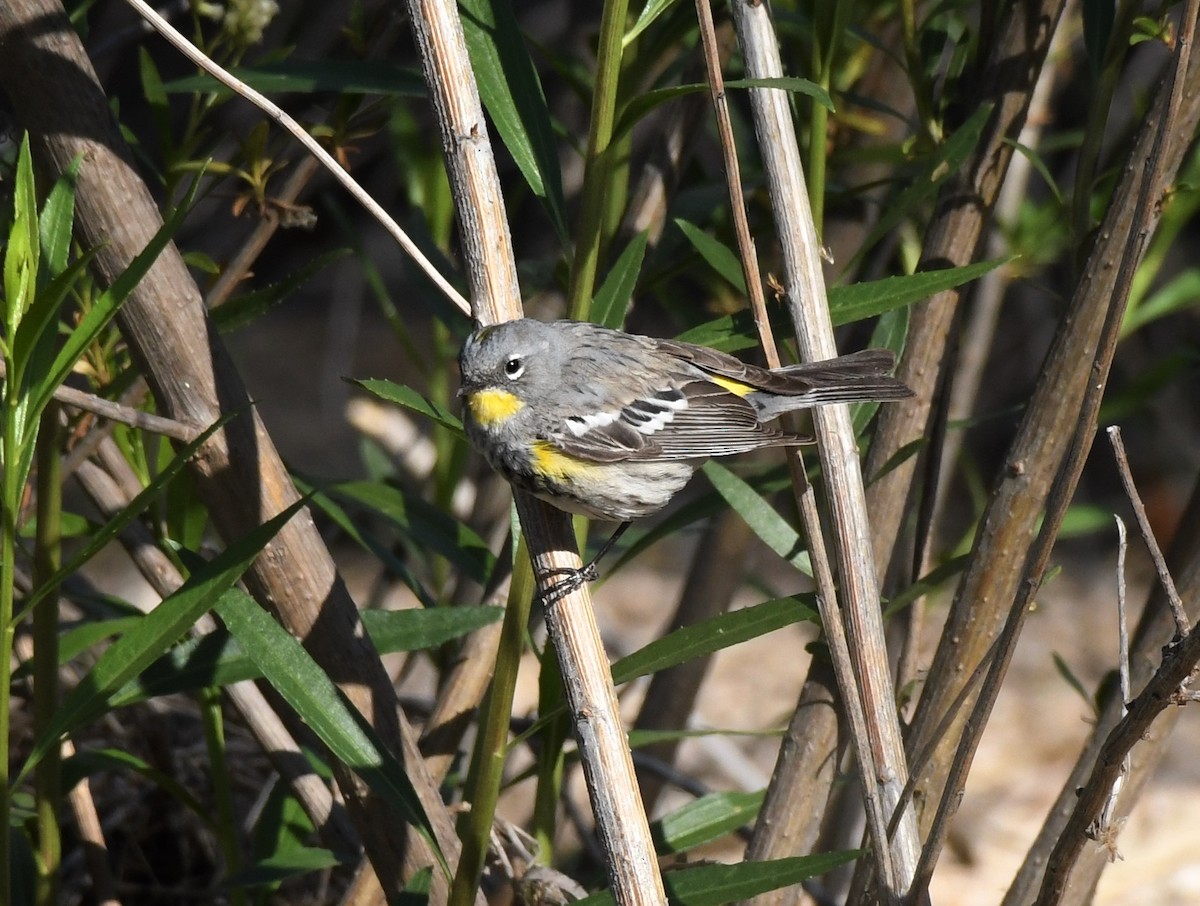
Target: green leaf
(419,629)
(714,884)
(161,627)
(241,310)
(217,659)
(107,532)
(771,528)
(705,820)
(512,92)
(612,301)
(925,183)
(58,219)
(293,673)
(714,634)
(425,526)
(1181,293)
(23,251)
(788,83)
(281,866)
(105,307)
(650,12)
(309,76)
(719,256)
(641,105)
(1065,671)
(410,399)
(848,304)
(90,762)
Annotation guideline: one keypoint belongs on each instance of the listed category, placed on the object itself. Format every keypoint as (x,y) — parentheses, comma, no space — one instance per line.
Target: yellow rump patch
(493,406)
(552,463)
(735,387)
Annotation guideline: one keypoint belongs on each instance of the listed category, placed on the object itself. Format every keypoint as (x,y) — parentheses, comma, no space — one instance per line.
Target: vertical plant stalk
(239,474)
(1064,404)
(495,296)
(47,558)
(598,163)
(1006,79)
(805,496)
(870,686)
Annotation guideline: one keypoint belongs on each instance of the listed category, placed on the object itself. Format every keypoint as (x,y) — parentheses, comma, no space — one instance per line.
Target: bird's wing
(694,421)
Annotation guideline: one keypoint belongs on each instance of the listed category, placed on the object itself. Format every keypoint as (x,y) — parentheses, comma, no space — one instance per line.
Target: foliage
(409,512)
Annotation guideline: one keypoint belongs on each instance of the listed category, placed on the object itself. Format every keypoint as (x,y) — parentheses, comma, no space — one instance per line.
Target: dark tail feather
(858,377)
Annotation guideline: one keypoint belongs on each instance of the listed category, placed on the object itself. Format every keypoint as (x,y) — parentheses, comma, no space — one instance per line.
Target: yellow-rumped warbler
(611,425)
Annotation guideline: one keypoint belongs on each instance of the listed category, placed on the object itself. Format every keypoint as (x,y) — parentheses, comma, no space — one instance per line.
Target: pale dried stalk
(869,687)
(495,294)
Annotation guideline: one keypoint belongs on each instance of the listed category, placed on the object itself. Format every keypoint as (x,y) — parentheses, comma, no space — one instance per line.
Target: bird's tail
(858,377)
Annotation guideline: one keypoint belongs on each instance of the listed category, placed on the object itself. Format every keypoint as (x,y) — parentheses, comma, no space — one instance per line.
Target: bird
(611,425)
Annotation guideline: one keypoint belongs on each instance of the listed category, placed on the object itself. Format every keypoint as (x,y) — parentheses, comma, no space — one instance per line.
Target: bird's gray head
(500,364)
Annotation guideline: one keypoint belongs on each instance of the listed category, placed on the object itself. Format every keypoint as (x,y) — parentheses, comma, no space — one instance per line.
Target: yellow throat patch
(493,406)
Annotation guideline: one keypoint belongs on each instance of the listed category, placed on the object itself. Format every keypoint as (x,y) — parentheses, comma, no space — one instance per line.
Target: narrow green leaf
(612,301)
(106,305)
(705,820)
(1181,293)
(650,12)
(242,310)
(722,631)
(771,528)
(138,648)
(719,256)
(58,219)
(281,866)
(132,510)
(422,524)
(310,76)
(1065,671)
(410,399)
(22,254)
(90,762)
(788,83)
(647,101)
(217,659)
(419,629)
(865,300)
(293,673)
(512,93)
(714,884)
(925,183)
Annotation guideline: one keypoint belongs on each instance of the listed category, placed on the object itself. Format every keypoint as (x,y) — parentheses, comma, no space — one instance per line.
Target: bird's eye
(514,367)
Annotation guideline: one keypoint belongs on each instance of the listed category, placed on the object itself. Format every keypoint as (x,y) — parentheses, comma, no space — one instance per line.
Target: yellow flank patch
(552,463)
(493,406)
(735,387)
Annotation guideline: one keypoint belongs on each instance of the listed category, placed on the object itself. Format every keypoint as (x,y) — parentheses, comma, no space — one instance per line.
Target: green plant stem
(226,823)
(599,163)
(10,503)
(491,745)
(47,557)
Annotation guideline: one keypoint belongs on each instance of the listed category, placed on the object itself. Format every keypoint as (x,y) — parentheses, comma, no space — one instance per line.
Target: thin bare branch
(277,113)
(1182,624)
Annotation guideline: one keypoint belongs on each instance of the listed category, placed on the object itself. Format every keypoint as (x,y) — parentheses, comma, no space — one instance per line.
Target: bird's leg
(575,578)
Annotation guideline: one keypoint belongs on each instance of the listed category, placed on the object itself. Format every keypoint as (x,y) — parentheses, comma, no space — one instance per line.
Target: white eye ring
(514,367)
